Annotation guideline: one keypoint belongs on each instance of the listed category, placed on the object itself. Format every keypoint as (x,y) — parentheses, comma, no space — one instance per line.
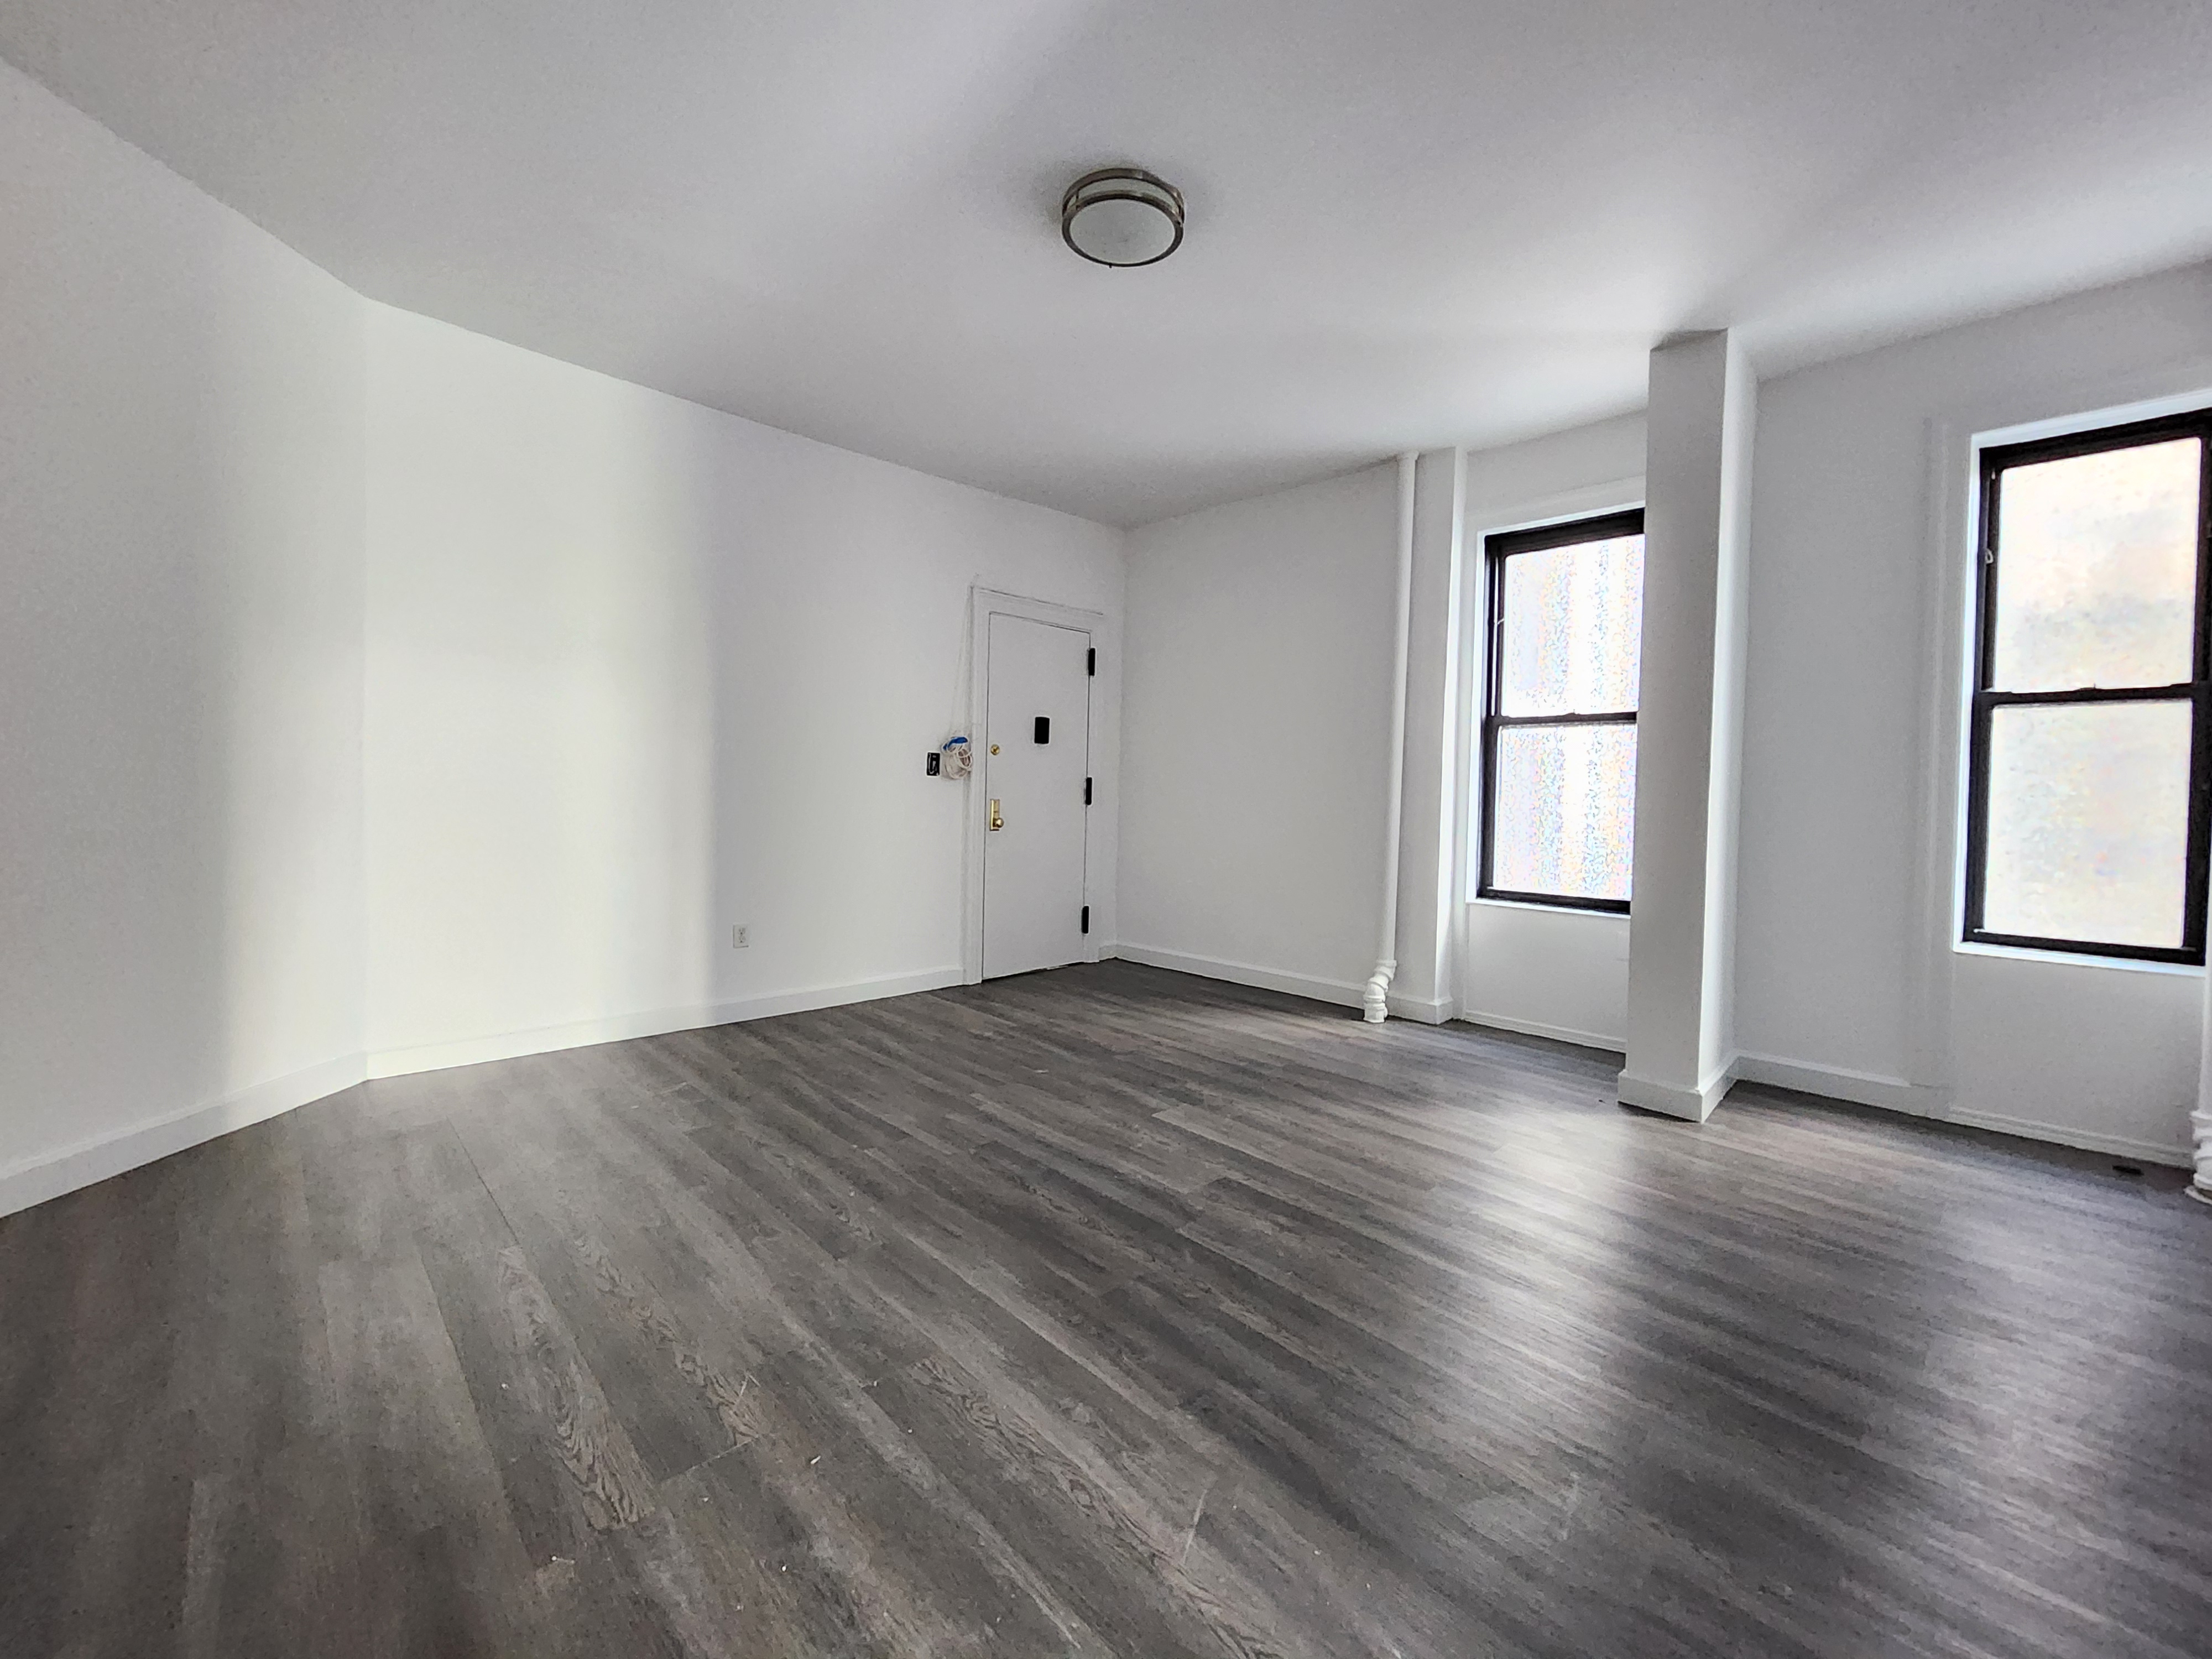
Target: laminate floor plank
(1103,1312)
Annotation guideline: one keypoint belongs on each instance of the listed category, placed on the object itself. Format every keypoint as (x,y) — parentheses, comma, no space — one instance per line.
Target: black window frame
(1497,548)
(1984,698)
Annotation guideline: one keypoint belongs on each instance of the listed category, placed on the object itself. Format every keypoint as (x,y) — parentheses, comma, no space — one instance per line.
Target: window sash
(1986,697)
(1498,550)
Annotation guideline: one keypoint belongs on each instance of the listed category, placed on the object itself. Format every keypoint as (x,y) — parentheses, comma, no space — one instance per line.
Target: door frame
(985,602)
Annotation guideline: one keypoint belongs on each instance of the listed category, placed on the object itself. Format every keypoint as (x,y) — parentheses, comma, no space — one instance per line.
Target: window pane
(1565,810)
(2088,821)
(2097,571)
(1574,628)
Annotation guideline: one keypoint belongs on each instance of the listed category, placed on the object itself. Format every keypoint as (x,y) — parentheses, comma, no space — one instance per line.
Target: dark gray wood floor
(1101,1312)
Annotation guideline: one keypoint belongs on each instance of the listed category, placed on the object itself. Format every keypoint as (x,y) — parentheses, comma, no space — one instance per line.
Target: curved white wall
(180,695)
(375,695)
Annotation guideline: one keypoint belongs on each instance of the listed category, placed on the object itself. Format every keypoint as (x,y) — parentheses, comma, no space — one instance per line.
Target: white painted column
(1424,987)
(1689,728)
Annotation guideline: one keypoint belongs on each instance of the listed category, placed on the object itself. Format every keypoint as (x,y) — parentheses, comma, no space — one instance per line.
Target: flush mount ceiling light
(1121,216)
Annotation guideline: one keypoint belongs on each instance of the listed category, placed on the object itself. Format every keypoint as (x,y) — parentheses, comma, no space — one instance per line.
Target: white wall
(1846,977)
(1256,717)
(181,513)
(1258,709)
(639,670)
(1554,973)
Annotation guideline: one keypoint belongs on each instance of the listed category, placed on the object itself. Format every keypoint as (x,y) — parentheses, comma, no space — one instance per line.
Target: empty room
(1042,828)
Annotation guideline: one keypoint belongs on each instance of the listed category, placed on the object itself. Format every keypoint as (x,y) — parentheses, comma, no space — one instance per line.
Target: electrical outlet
(741,936)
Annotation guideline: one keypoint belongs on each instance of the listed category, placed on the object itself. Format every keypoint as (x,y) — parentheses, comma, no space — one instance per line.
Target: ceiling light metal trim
(1121,184)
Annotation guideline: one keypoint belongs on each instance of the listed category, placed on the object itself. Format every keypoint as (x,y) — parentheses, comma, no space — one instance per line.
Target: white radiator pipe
(2200,1189)
(1377,997)
(2200,1121)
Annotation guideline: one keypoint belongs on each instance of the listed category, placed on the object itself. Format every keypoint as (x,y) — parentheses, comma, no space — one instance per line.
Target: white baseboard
(1895,1094)
(49,1174)
(1420,1009)
(651,1022)
(1675,1099)
(1834,1081)
(1340,993)
(2087,1140)
(34,1180)
(1837,1083)
(1343,994)
(1537,1028)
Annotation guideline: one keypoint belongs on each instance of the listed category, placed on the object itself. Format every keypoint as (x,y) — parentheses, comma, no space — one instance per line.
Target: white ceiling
(1412,222)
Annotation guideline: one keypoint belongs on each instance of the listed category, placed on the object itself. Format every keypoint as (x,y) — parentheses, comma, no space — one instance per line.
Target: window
(1559,728)
(2086,810)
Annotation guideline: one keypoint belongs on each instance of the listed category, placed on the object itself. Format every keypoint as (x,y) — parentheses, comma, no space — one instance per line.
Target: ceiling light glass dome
(1121,216)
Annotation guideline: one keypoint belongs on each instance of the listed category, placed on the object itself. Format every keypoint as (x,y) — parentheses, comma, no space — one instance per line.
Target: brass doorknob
(997,822)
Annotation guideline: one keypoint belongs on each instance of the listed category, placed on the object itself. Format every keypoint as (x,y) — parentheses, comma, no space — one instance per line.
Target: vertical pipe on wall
(1377,997)
(2200,1121)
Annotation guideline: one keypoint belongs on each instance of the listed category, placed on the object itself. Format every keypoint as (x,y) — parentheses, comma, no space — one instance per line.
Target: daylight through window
(2085,810)
(1558,730)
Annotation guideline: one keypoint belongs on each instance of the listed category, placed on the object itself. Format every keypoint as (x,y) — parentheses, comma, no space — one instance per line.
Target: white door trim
(984,603)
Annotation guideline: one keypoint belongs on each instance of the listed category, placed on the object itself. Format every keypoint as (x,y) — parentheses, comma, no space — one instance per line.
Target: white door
(1036,764)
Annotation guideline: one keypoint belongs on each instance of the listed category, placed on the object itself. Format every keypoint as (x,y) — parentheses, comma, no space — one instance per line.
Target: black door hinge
(1086,792)
(1086,918)
(1094,660)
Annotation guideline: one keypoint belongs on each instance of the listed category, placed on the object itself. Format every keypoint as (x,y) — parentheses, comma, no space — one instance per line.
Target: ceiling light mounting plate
(1121,216)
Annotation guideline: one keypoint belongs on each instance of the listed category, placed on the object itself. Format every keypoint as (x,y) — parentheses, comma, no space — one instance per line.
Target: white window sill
(2075,959)
(1527,908)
